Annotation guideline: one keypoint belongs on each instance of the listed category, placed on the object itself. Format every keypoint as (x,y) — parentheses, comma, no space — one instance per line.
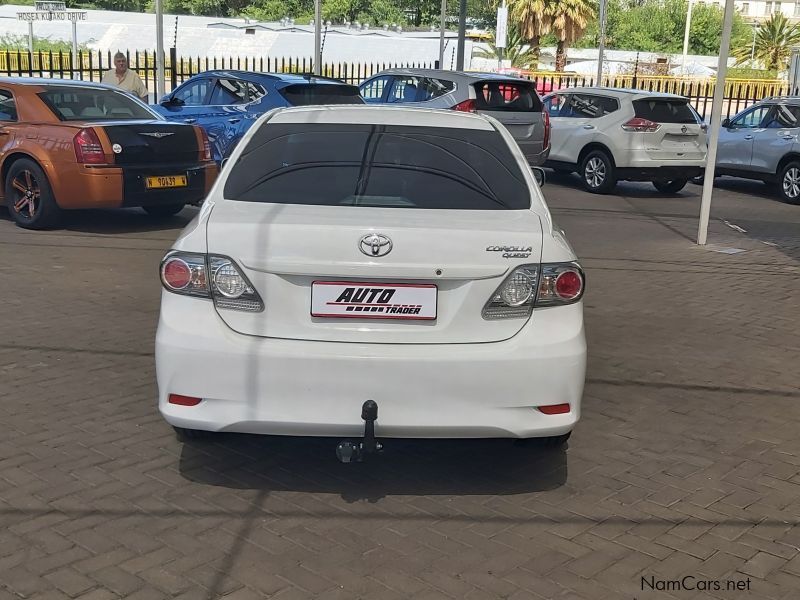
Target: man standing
(123,78)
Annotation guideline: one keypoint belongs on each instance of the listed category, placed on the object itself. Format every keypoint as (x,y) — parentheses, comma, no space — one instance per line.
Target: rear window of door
(235,91)
(510,96)
(379,166)
(306,94)
(431,88)
(664,110)
(588,106)
(404,89)
(374,90)
(554,103)
(783,116)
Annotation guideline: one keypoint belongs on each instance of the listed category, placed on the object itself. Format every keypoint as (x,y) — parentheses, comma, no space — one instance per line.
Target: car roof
(288,78)
(47,82)
(617,92)
(382,115)
(442,73)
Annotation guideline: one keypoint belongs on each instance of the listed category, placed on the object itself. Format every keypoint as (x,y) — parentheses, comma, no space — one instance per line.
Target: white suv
(607,135)
(348,254)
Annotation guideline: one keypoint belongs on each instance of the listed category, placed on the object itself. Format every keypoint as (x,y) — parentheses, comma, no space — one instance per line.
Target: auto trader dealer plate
(346,299)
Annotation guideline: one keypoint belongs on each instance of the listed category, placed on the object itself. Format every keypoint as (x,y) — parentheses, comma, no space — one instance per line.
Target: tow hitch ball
(357,450)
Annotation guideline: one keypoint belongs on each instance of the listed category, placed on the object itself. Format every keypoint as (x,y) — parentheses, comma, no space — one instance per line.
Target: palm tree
(533,19)
(515,50)
(569,21)
(774,41)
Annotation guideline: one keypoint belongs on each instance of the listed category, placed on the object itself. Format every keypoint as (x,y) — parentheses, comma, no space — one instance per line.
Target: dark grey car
(511,100)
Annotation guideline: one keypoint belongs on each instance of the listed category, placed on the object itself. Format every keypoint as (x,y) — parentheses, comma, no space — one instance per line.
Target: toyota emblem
(375,244)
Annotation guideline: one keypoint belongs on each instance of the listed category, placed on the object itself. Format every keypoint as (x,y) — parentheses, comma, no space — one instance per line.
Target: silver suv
(610,134)
(761,143)
(512,101)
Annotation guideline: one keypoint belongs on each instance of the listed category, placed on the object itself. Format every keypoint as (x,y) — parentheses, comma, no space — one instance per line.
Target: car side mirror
(171,101)
(726,123)
(224,162)
(539,175)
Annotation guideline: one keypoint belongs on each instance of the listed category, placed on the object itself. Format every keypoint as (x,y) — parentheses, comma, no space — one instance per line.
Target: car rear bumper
(80,186)
(291,387)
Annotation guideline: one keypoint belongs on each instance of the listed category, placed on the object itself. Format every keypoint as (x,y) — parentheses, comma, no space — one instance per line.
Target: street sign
(502,27)
(47,10)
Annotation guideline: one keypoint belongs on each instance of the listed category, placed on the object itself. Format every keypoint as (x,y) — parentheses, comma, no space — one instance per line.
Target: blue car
(227,103)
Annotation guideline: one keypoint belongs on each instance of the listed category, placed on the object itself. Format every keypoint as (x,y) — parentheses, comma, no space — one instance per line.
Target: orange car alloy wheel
(28,194)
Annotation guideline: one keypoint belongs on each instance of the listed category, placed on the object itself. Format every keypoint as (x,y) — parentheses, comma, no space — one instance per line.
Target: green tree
(40,44)
(534,19)
(774,41)
(570,20)
(658,26)
(516,50)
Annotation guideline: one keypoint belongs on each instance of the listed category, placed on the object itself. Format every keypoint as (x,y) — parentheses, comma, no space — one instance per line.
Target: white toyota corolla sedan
(356,253)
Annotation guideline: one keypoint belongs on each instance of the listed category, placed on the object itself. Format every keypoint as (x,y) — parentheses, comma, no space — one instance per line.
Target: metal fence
(90,66)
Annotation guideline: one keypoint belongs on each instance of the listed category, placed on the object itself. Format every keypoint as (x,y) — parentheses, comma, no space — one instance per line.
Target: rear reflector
(183,400)
(466,106)
(554,409)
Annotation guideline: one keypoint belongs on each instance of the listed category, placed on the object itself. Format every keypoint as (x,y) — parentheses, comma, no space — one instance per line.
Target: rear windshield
(86,104)
(511,96)
(664,111)
(378,165)
(304,94)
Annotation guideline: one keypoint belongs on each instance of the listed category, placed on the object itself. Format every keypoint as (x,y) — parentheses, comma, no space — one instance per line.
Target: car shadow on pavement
(626,189)
(406,467)
(116,221)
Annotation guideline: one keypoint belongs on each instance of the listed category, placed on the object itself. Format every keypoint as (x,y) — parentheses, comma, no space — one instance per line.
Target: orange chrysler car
(70,144)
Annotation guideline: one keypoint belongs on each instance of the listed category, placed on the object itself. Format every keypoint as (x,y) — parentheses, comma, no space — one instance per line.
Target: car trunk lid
(453,259)
(151,142)
(679,135)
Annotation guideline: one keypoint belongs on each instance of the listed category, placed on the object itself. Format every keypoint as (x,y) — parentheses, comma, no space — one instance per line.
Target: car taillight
(88,150)
(466,106)
(546,143)
(530,286)
(641,125)
(209,276)
(205,150)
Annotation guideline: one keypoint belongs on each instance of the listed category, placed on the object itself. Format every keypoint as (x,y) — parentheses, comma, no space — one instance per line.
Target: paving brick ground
(687,461)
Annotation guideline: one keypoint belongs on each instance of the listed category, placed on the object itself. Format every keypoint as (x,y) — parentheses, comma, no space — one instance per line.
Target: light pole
(441,34)
(753,48)
(161,87)
(716,117)
(317,37)
(686,35)
(601,46)
(462,34)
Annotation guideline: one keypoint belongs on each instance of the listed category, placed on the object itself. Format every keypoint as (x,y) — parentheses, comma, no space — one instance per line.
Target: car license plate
(165,181)
(353,300)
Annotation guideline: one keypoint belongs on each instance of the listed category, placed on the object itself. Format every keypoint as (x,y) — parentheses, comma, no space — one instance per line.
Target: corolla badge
(117,149)
(512,251)
(375,244)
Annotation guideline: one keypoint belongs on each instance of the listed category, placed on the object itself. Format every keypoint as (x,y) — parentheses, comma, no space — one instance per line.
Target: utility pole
(462,34)
(686,35)
(601,46)
(161,86)
(441,33)
(317,37)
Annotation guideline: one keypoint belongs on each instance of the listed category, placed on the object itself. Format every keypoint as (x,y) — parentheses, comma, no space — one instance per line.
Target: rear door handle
(748,137)
(190,120)
(588,126)
(234,120)
(788,137)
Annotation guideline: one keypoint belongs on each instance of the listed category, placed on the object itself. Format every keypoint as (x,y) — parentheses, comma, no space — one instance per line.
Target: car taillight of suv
(641,125)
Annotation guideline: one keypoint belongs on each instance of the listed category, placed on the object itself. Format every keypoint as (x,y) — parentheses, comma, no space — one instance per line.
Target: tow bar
(357,450)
